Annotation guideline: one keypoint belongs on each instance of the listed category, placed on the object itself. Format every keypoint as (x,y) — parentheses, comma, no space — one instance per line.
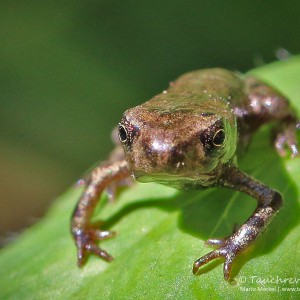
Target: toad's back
(197,93)
(215,83)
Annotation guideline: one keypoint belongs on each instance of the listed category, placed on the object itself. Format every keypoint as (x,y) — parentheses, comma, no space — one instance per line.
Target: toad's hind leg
(269,202)
(84,232)
(265,105)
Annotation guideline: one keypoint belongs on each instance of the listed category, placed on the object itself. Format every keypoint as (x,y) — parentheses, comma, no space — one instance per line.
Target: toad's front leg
(269,202)
(84,232)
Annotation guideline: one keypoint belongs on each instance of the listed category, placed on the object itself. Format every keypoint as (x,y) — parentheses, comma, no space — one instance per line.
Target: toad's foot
(86,238)
(269,203)
(228,249)
(287,139)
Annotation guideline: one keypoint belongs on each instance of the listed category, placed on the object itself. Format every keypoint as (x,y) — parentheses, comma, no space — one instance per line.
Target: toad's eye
(123,134)
(127,133)
(213,138)
(219,138)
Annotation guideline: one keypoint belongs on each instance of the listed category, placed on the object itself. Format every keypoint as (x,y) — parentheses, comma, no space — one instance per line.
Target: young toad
(190,137)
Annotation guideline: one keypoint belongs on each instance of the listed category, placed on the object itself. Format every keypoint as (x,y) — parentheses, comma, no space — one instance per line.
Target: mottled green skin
(213,83)
(189,136)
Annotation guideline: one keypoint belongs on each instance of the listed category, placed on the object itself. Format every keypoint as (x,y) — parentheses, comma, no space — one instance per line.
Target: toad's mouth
(176,180)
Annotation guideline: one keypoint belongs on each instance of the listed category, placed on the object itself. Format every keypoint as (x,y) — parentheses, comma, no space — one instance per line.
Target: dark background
(68,69)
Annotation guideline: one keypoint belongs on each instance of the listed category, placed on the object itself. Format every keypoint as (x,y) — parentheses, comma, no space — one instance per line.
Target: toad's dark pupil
(219,137)
(123,135)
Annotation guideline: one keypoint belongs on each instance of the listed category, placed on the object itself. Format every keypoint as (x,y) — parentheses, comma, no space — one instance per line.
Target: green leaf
(161,232)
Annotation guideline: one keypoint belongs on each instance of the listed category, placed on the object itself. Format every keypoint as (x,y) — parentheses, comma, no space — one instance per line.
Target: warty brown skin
(190,137)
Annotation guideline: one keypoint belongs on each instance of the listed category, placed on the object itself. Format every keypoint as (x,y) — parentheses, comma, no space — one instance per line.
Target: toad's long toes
(92,248)
(224,252)
(205,259)
(215,242)
(103,235)
(85,239)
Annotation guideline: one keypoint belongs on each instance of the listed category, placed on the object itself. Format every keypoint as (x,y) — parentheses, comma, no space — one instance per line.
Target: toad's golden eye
(219,138)
(213,139)
(123,134)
